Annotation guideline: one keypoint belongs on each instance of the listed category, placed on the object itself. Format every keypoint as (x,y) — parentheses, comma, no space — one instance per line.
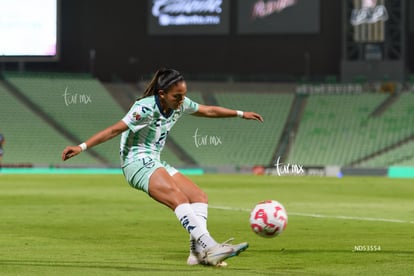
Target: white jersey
(149,128)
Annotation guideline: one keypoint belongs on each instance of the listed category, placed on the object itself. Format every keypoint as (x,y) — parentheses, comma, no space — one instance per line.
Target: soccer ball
(268,219)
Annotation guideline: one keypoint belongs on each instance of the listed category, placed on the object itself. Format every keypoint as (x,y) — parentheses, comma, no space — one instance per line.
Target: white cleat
(217,254)
(193,260)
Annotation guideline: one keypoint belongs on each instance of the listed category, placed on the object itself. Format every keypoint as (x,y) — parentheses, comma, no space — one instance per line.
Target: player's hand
(70,152)
(252,116)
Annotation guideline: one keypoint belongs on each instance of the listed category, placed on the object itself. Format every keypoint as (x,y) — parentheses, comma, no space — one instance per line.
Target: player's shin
(201,211)
(192,224)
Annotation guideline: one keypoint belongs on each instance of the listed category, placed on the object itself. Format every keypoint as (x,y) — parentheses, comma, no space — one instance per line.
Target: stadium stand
(78,103)
(213,138)
(30,140)
(338,129)
(182,133)
(171,157)
(360,129)
(397,130)
(123,93)
(232,141)
(333,129)
(400,156)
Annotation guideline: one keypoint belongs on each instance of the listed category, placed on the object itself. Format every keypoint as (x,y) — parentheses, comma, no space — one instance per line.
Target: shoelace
(227,242)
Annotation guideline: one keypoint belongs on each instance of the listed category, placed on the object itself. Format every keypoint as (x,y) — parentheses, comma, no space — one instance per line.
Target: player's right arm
(96,139)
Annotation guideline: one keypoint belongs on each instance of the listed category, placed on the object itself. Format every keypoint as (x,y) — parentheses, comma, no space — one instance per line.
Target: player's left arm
(222,112)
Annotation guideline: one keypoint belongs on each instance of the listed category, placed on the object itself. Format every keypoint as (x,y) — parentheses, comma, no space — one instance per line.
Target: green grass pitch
(98,225)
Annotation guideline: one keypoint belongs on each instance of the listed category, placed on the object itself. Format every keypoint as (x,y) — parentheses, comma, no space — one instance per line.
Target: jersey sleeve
(138,117)
(190,106)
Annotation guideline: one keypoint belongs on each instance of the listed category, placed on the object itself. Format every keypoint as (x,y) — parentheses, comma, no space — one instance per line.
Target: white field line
(319,215)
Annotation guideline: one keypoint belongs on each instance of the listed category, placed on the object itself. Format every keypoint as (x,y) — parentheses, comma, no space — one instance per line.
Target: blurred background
(334,81)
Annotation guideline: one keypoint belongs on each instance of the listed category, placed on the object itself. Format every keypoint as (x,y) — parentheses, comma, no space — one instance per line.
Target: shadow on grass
(137,267)
(321,251)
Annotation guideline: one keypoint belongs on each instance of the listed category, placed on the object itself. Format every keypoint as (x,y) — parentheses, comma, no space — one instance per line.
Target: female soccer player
(144,131)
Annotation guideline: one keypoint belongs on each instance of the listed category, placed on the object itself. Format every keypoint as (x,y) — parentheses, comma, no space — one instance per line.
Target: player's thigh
(193,192)
(164,189)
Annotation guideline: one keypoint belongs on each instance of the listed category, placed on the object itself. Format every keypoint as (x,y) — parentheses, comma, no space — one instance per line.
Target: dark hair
(163,79)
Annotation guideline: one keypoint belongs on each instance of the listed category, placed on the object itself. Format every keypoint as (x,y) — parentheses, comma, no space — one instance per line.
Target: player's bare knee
(201,197)
(176,197)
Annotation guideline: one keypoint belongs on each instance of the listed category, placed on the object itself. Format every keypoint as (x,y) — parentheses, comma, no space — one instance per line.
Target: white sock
(191,223)
(205,242)
(201,211)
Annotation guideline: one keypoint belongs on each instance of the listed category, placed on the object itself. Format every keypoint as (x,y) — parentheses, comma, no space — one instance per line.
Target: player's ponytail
(163,79)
